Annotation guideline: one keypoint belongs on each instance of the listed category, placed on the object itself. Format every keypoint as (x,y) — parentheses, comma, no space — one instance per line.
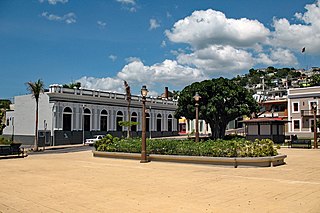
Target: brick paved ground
(78,182)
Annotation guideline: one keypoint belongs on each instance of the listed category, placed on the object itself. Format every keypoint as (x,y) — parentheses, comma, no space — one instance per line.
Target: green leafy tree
(72,85)
(5,104)
(128,124)
(315,80)
(271,69)
(36,88)
(2,120)
(222,100)
(175,94)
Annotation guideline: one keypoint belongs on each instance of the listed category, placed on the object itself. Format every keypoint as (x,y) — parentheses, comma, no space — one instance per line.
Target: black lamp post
(315,144)
(144,93)
(197,98)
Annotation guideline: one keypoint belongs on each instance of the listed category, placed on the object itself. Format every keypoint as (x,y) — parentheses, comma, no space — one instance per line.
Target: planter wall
(235,162)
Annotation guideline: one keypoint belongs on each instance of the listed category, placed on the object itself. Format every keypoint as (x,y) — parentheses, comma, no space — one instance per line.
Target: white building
(67,116)
(300,111)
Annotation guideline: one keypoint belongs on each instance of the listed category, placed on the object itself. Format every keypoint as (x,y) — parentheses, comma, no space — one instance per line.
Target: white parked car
(91,141)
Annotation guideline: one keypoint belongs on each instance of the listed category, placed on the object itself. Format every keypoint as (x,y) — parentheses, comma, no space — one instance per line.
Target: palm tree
(128,94)
(36,88)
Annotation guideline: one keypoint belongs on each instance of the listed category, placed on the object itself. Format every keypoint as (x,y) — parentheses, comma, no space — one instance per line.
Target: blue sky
(155,43)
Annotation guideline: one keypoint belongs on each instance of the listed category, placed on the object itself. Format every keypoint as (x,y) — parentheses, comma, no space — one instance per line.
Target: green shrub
(5,141)
(214,148)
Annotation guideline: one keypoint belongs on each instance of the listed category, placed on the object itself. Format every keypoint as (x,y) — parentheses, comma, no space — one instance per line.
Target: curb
(224,161)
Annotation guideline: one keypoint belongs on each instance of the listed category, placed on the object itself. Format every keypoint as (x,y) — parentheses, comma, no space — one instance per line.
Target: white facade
(73,111)
(24,115)
(300,111)
(203,127)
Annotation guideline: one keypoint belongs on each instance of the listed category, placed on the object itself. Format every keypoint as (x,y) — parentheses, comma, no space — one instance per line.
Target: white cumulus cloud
(218,58)
(296,36)
(106,84)
(68,18)
(132,59)
(210,27)
(168,72)
(276,57)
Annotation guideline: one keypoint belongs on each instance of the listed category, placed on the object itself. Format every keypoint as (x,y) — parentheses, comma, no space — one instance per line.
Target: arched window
(87,116)
(170,123)
(134,119)
(147,122)
(119,118)
(67,118)
(104,120)
(159,118)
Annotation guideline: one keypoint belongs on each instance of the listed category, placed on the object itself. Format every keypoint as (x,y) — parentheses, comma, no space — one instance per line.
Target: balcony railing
(309,112)
(104,94)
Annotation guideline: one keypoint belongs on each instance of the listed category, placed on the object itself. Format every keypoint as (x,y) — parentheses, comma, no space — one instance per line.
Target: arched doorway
(67,119)
(147,122)
(134,118)
(118,119)
(159,122)
(87,118)
(170,123)
(104,120)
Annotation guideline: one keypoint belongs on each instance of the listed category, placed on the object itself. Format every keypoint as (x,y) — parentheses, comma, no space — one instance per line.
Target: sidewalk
(28,148)
(78,182)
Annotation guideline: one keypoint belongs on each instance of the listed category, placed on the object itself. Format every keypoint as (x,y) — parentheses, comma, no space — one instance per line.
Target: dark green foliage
(5,141)
(4,105)
(104,142)
(218,148)
(233,137)
(128,123)
(222,100)
(72,85)
(315,80)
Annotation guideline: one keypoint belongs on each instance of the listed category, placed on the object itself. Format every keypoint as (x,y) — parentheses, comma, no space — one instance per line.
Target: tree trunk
(218,129)
(214,129)
(35,148)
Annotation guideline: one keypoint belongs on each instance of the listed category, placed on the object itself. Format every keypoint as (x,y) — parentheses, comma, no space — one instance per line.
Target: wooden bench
(301,143)
(11,149)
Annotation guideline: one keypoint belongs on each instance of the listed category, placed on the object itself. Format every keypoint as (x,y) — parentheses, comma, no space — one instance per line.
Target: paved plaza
(78,182)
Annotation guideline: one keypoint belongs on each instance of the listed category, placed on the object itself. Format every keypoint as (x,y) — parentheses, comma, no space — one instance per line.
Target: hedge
(211,148)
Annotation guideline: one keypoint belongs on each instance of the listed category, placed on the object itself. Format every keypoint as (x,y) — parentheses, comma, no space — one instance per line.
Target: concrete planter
(235,162)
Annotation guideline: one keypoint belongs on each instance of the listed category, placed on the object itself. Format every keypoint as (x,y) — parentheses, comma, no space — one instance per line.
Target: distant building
(67,116)
(300,112)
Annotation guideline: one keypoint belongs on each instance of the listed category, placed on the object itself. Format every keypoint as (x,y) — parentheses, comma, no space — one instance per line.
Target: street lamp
(314,106)
(144,93)
(197,98)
